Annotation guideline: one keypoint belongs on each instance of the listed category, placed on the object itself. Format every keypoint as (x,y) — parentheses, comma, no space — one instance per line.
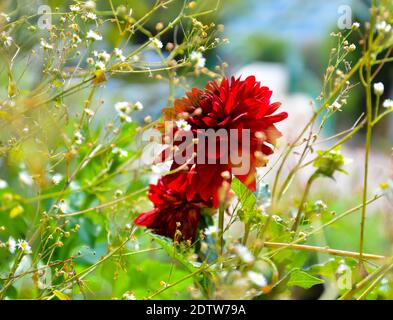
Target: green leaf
(245,196)
(302,279)
(326,269)
(61,295)
(173,252)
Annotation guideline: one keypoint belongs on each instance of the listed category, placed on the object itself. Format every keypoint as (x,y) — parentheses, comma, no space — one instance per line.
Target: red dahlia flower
(233,106)
(172,212)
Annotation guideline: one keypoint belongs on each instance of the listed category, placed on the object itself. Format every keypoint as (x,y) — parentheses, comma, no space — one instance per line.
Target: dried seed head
(159,26)
(169,46)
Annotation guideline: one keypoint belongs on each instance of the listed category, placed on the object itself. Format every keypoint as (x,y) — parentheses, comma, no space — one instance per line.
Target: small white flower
(257,279)
(123,107)
(244,254)
(79,138)
(129,296)
(11,244)
(211,231)
(352,47)
(379,88)
(56,178)
(7,40)
(125,117)
(25,178)
(3,184)
(89,5)
(388,104)
(321,205)
(336,106)
(157,43)
(138,106)
(63,206)
(122,153)
(93,35)
(75,8)
(183,125)
(89,112)
(355,25)
(119,193)
(76,38)
(45,44)
(5,16)
(197,58)
(103,55)
(100,65)
(24,246)
(119,54)
(383,27)
(91,16)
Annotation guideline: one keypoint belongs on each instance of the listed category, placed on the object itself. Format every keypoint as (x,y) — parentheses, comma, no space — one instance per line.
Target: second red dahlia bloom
(173,215)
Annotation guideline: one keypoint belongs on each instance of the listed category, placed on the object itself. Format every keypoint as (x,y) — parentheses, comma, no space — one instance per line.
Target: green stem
(326,250)
(369,123)
(383,114)
(301,205)
(247,228)
(377,106)
(10,277)
(221,212)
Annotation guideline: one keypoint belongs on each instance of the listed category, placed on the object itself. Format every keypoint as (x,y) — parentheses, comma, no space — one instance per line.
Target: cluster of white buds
(124,108)
(156,43)
(197,58)
(92,35)
(382,27)
(119,54)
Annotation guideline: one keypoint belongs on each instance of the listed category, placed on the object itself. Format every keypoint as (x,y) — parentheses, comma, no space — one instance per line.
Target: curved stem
(301,205)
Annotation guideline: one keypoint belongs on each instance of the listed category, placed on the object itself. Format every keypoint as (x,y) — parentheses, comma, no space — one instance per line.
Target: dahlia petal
(146,219)
(273,107)
(277,117)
